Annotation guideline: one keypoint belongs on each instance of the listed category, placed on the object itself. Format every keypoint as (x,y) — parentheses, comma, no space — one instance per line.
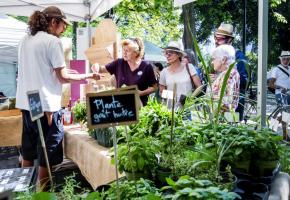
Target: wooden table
(10,128)
(92,159)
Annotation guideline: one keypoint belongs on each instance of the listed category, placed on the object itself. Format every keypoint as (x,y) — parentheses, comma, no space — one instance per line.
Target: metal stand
(116,160)
(44,149)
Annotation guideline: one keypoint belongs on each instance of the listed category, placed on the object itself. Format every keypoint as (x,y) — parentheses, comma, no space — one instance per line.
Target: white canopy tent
(75,10)
(11,32)
(153,53)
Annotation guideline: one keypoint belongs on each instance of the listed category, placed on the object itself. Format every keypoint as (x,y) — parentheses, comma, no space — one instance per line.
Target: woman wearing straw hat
(184,76)
(224,35)
(131,69)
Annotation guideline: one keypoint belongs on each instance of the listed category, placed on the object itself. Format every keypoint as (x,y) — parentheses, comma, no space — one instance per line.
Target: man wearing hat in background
(224,35)
(280,81)
(42,67)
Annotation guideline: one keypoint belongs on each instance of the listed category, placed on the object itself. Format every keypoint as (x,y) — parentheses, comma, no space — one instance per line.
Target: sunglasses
(219,38)
(169,53)
(134,40)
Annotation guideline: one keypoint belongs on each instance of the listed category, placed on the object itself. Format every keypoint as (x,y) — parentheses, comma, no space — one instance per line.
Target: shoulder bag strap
(192,83)
(283,70)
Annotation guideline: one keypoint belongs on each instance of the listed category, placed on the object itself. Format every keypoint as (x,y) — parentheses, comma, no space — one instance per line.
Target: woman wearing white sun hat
(177,72)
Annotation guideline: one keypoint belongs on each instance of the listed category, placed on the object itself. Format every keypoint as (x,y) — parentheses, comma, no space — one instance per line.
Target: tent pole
(262,59)
(88,21)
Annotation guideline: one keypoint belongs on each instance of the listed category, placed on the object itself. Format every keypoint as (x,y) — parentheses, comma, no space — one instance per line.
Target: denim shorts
(282,99)
(31,148)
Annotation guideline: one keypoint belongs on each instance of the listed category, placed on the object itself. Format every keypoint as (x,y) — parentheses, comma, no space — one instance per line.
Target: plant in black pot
(266,153)
(137,157)
(164,168)
(239,156)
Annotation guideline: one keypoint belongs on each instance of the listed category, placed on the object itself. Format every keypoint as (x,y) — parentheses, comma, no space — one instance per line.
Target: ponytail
(37,22)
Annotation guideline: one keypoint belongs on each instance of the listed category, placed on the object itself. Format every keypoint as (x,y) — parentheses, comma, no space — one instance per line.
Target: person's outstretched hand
(95,68)
(96,76)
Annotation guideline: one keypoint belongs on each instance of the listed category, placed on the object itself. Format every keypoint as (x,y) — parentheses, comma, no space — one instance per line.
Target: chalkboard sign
(117,107)
(34,105)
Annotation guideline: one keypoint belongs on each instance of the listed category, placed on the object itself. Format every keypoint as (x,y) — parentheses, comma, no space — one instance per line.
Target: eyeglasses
(213,58)
(169,53)
(219,38)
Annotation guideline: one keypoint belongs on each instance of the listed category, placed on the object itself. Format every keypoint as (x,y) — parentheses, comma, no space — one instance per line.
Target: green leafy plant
(137,155)
(153,118)
(141,189)
(79,111)
(187,187)
(68,191)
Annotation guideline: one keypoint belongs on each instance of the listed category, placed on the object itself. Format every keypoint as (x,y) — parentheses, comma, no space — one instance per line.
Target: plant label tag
(232,116)
(169,94)
(285,117)
(274,123)
(164,94)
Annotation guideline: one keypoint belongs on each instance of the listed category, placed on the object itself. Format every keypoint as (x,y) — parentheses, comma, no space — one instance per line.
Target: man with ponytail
(42,67)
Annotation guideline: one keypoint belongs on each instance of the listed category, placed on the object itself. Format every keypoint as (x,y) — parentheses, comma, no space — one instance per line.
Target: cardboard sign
(167,94)
(35,107)
(274,124)
(111,108)
(286,117)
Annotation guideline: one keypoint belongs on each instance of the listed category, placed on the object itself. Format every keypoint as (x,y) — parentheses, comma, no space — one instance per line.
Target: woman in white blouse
(177,72)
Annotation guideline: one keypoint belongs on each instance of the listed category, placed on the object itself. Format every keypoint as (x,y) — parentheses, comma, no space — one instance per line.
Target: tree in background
(158,21)
(206,16)
(154,20)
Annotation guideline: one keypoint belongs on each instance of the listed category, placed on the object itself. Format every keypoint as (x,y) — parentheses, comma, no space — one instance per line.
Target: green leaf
(140,163)
(170,182)
(238,151)
(94,196)
(44,196)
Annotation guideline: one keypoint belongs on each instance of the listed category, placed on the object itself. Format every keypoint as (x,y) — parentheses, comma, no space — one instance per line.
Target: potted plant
(140,189)
(79,111)
(266,152)
(104,136)
(187,187)
(137,157)
(240,155)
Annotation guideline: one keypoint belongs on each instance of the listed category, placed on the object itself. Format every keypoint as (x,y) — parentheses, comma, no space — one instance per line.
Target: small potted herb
(104,136)
(137,157)
(79,111)
(266,153)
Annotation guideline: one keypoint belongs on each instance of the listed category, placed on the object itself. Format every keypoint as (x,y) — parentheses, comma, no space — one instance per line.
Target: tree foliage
(208,14)
(154,20)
